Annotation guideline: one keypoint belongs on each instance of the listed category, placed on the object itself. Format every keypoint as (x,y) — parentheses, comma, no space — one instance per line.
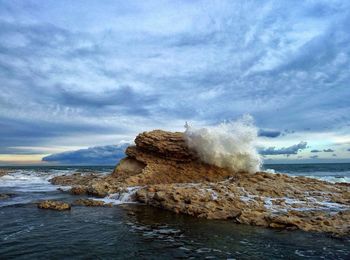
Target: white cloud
(209,61)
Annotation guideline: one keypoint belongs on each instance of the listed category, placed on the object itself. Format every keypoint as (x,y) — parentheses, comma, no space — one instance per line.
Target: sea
(135,231)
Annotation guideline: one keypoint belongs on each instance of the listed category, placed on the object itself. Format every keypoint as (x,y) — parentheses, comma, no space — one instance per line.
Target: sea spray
(123,197)
(229,145)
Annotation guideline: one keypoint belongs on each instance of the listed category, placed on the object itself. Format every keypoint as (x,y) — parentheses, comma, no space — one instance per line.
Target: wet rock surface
(54,205)
(4,196)
(91,203)
(74,179)
(4,172)
(171,177)
(275,207)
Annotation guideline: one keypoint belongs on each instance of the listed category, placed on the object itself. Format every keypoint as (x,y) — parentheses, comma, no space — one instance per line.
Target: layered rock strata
(161,157)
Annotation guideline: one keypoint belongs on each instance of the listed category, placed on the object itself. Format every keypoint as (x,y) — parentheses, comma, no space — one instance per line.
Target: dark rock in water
(99,190)
(78,190)
(91,203)
(4,172)
(54,205)
(74,179)
(4,196)
(90,184)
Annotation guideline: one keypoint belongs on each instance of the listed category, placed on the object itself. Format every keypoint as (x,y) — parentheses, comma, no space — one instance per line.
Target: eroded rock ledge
(261,199)
(172,177)
(161,157)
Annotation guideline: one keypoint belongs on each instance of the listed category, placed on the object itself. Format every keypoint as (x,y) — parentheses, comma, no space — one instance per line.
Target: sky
(92,74)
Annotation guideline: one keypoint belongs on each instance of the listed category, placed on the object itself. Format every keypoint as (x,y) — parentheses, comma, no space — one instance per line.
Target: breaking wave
(127,196)
(229,145)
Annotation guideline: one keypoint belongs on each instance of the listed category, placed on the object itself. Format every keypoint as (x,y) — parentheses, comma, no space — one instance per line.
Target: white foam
(213,194)
(310,203)
(121,197)
(27,180)
(230,145)
(331,179)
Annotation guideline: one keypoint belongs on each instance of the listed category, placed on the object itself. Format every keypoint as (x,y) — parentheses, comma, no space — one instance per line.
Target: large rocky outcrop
(261,199)
(161,157)
(171,176)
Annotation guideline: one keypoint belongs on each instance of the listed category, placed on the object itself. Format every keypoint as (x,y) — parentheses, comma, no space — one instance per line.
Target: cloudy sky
(78,74)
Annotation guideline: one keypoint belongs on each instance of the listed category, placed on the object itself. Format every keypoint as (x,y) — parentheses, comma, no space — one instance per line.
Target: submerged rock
(4,196)
(54,205)
(4,172)
(78,190)
(91,203)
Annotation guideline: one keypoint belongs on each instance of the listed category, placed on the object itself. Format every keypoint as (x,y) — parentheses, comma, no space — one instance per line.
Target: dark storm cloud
(329,150)
(315,151)
(314,157)
(123,98)
(99,155)
(269,133)
(294,149)
(29,133)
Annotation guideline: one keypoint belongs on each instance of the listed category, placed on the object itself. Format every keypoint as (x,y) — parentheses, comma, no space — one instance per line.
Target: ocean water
(332,172)
(130,230)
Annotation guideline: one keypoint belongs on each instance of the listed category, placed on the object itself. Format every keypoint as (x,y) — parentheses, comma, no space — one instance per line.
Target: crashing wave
(229,145)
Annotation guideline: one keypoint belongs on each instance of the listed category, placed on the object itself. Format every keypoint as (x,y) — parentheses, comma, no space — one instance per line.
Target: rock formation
(91,203)
(4,196)
(171,176)
(54,205)
(261,199)
(60,205)
(74,179)
(161,157)
(3,172)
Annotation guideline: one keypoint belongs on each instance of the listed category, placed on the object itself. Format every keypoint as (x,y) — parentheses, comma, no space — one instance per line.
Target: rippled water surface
(137,231)
(332,172)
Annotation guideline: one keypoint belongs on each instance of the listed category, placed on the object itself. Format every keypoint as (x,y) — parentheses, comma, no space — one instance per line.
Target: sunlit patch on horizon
(8,159)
